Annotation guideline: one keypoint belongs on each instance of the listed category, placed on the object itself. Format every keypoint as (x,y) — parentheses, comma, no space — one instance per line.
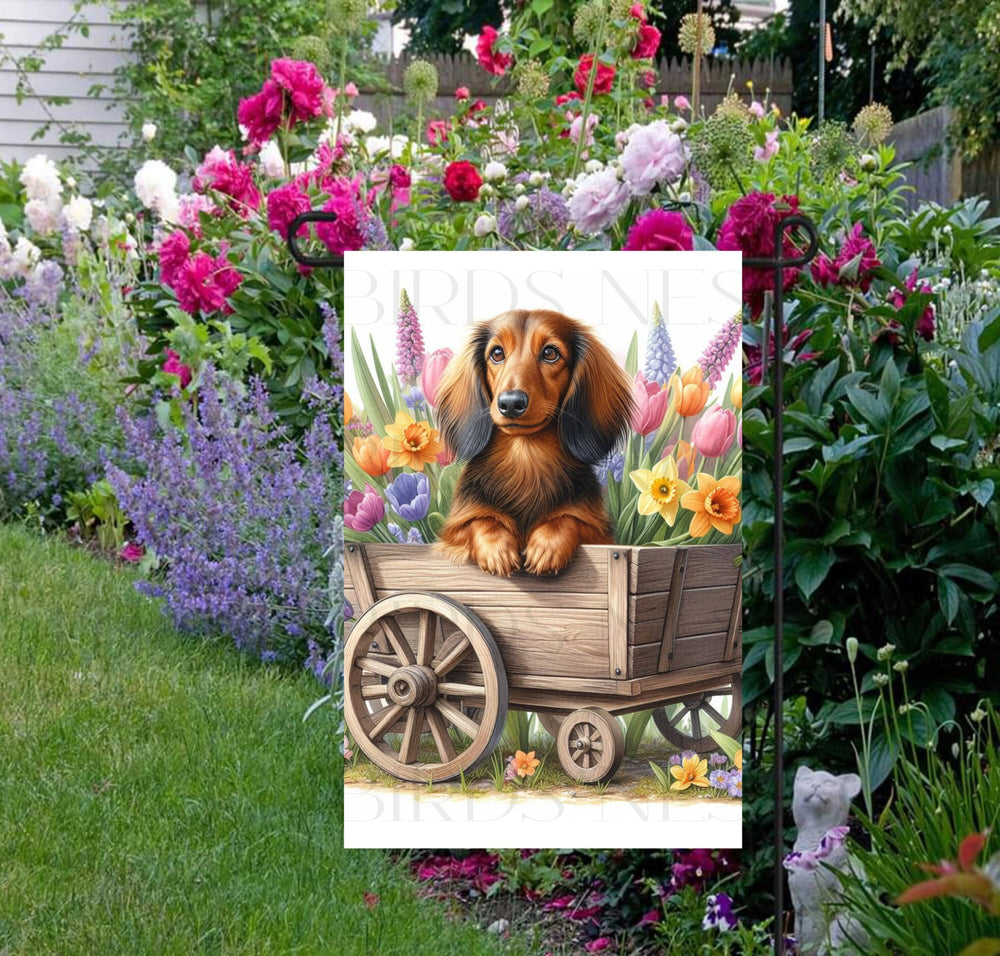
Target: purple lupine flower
(719,913)
(374,235)
(719,779)
(410,496)
(363,509)
(661,362)
(333,337)
(720,351)
(409,343)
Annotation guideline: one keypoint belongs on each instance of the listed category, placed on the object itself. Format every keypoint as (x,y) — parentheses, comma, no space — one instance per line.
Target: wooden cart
(437,653)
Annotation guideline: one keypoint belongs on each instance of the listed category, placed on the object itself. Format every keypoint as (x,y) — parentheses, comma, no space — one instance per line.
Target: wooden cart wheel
(551,722)
(591,745)
(688,729)
(406,687)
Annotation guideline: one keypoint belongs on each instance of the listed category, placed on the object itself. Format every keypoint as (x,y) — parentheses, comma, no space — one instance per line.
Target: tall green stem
(582,138)
(341,95)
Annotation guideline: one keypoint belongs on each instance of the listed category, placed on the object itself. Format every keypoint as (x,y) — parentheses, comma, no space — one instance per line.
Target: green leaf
(632,357)
(976,576)
(884,754)
(944,443)
(982,491)
(821,633)
(660,775)
(812,569)
(949,597)
(728,745)
(990,335)
(889,385)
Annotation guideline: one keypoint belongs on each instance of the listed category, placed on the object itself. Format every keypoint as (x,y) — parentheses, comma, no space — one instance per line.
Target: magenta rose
(283,205)
(660,229)
(363,509)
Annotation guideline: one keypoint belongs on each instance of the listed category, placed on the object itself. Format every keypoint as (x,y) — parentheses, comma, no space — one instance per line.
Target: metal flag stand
(779,262)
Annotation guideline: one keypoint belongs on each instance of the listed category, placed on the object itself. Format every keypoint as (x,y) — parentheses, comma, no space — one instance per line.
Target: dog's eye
(550,354)
(497,354)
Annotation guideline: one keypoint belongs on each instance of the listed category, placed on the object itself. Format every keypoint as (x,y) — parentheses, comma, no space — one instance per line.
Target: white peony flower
(360,121)
(40,179)
(654,154)
(156,187)
(407,244)
(485,224)
(26,256)
(495,172)
(521,203)
(148,132)
(43,215)
(536,179)
(270,159)
(78,212)
(597,201)
(593,166)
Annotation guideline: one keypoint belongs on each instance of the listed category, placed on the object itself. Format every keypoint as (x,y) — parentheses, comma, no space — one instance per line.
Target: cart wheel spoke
(457,719)
(673,721)
(442,739)
(425,637)
(468,691)
(384,719)
(695,722)
(591,745)
(372,666)
(375,691)
(704,713)
(411,736)
(454,656)
(707,708)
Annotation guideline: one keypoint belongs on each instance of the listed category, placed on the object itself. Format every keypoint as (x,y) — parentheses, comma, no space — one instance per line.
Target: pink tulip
(430,377)
(650,404)
(714,433)
(363,509)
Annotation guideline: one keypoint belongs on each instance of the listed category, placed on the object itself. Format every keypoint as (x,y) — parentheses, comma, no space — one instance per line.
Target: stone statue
(820,805)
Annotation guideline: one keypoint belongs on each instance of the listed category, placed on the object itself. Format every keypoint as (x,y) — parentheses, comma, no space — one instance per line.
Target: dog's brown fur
(528,496)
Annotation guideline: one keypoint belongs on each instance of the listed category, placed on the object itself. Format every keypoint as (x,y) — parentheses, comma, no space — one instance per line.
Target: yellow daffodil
(716,504)
(411,444)
(692,771)
(660,488)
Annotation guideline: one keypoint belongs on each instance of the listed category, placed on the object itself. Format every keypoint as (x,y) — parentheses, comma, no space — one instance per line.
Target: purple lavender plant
(409,343)
(720,351)
(240,516)
(661,362)
(545,215)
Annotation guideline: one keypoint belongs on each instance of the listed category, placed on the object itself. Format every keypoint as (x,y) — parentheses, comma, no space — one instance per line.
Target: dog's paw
(501,558)
(545,554)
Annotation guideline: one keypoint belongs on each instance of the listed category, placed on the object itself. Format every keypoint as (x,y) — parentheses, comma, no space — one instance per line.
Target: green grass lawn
(161,795)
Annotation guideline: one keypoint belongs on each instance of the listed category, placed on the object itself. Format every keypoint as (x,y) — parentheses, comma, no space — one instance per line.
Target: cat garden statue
(820,806)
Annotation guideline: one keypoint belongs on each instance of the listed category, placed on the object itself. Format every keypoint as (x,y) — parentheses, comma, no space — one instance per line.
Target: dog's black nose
(512,404)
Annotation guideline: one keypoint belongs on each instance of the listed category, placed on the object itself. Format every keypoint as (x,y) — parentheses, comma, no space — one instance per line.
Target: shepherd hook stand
(779,263)
(320,262)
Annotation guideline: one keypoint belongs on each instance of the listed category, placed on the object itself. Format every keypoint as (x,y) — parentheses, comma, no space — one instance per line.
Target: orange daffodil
(660,488)
(691,772)
(716,504)
(410,443)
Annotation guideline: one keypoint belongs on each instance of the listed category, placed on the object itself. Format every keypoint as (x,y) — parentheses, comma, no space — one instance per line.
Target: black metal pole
(321,262)
(779,263)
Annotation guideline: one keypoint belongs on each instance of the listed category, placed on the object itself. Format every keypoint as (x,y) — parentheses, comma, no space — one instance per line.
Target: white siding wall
(69,71)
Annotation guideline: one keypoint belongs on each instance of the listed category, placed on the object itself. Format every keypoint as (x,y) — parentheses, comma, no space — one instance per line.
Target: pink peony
(597,201)
(650,404)
(190,206)
(757,109)
(174,252)
(283,205)
(659,229)
(430,377)
(261,113)
(347,233)
(437,132)
(681,102)
(173,366)
(132,552)
(462,93)
(925,326)
(293,92)
(563,98)
(490,59)
(221,171)
(637,13)
(714,432)
(853,266)
(654,154)
(363,509)
(647,44)
(204,283)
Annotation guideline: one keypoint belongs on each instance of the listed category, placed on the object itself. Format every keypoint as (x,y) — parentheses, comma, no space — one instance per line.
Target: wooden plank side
(735,631)
(420,568)
(703,610)
(536,600)
(703,649)
(618,623)
(651,569)
(712,565)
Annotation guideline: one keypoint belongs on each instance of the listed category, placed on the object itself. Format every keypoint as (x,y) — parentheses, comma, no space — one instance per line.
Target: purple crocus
(718,760)
(719,912)
(735,788)
(363,509)
(719,779)
(410,496)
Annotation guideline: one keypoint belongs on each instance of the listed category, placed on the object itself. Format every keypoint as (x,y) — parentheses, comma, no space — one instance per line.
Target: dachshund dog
(531,404)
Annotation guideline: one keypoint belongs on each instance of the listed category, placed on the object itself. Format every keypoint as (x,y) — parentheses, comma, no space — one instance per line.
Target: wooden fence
(673,78)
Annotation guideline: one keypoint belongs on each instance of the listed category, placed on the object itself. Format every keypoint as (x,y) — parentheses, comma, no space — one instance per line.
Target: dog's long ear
(463,406)
(598,406)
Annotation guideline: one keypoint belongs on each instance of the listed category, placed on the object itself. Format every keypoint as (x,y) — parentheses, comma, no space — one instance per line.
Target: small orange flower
(348,408)
(716,504)
(736,393)
(690,392)
(525,763)
(738,760)
(960,878)
(371,455)
(685,454)
(691,771)
(410,443)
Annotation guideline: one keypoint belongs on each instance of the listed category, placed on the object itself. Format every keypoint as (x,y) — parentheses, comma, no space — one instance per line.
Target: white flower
(977,715)
(536,179)
(654,154)
(43,215)
(901,667)
(156,187)
(519,189)
(360,121)
(485,224)
(881,679)
(148,132)
(71,182)
(495,172)
(597,201)
(678,125)
(593,166)
(521,203)
(244,132)
(885,652)
(270,159)
(396,146)
(26,256)
(407,244)
(868,162)
(78,213)
(40,179)
(486,191)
